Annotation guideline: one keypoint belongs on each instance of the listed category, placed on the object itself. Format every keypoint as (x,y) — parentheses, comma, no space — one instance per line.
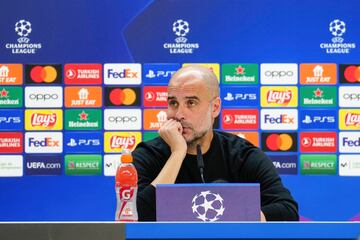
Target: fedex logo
(46,142)
(279,119)
(43,142)
(12,119)
(122,74)
(349,142)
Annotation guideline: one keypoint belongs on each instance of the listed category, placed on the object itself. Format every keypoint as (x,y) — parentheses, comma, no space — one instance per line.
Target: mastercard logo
(43,74)
(352,74)
(279,142)
(122,96)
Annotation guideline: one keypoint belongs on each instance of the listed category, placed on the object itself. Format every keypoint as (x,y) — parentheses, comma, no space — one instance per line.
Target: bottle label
(126,193)
(126,206)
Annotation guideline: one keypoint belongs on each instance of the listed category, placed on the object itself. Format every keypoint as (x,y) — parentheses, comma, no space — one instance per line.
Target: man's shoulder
(233,140)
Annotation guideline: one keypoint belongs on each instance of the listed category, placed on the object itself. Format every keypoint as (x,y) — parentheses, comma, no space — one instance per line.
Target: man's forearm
(171,169)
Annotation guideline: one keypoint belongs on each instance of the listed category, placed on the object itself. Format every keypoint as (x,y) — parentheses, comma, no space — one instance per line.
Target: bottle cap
(126,156)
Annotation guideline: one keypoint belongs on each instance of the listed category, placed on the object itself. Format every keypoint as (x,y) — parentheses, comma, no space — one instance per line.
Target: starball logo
(23,28)
(337,28)
(181,29)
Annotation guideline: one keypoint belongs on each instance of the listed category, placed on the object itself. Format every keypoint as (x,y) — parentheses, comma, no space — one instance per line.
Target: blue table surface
(236,230)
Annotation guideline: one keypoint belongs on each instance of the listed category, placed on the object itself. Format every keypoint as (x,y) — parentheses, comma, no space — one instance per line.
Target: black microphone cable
(200,162)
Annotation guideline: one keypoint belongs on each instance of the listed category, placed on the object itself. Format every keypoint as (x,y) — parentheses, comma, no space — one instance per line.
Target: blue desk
(233,230)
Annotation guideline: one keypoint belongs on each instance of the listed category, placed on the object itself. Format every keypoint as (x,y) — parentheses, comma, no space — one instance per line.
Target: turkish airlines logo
(318,141)
(279,74)
(83,73)
(43,74)
(233,119)
(278,96)
(11,142)
(43,97)
(155,96)
(279,142)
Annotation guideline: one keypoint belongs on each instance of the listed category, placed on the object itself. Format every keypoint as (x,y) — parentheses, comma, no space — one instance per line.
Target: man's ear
(216,107)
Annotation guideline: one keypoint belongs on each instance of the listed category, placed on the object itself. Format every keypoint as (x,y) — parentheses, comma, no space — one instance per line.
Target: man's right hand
(171,133)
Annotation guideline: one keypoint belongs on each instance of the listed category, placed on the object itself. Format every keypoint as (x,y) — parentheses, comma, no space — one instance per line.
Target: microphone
(200,162)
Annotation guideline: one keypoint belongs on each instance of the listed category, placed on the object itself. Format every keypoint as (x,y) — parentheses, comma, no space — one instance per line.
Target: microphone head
(219,181)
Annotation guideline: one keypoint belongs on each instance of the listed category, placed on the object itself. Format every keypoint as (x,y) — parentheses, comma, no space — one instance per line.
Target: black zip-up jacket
(229,158)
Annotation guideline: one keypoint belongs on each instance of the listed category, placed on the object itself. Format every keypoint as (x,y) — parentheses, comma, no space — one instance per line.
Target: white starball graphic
(23,28)
(337,28)
(208,206)
(181,28)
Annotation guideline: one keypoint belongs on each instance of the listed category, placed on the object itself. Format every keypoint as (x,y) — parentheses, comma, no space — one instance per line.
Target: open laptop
(208,202)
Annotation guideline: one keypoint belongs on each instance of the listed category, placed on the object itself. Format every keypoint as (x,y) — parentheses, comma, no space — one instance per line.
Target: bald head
(198,72)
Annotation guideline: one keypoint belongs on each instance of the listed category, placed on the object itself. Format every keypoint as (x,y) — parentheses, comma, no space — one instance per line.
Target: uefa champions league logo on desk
(208,206)
(181,29)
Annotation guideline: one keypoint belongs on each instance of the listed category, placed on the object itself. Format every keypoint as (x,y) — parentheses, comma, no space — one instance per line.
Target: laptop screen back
(208,202)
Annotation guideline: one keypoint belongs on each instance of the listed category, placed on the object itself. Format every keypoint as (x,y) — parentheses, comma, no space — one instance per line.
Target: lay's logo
(43,119)
(349,119)
(278,96)
(117,141)
(352,119)
(122,142)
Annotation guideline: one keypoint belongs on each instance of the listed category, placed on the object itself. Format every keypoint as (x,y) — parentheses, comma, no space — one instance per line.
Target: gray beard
(192,143)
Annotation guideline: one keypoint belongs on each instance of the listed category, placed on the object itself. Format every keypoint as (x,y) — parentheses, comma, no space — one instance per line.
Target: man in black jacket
(193,104)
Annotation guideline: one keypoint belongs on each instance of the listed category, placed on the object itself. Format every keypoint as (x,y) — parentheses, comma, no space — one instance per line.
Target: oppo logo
(43,97)
(279,73)
(352,96)
(122,119)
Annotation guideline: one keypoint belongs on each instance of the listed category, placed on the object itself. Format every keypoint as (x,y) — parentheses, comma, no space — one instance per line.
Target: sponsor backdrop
(80,81)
